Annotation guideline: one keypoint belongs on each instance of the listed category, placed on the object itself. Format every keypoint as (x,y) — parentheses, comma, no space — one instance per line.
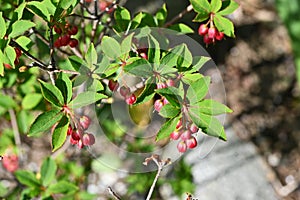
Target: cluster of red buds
(10,162)
(210,34)
(65,31)
(185,135)
(159,103)
(17,61)
(78,136)
(129,97)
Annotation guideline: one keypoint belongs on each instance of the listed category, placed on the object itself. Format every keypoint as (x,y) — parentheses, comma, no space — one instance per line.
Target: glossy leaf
(24,42)
(153,50)
(198,62)
(126,44)
(201,6)
(91,57)
(19,27)
(172,94)
(39,9)
(208,124)
(212,107)
(19,11)
(161,15)
(44,122)
(148,92)
(10,54)
(111,47)
(86,98)
(200,17)
(60,133)
(181,28)
(198,90)
(215,5)
(31,100)
(135,22)
(3,26)
(27,178)
(224,25)
(64,84)
(140,67)
(122,17)
(169,111)
(52,94)
(228,7)
(167,128)
(48,171)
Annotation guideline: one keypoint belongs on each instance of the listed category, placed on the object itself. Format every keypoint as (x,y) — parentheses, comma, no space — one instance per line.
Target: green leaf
(103,65)
(172,94)
(48,171)
(24,120)
(76,62)
(201,6)
(199,61)
(64,84)
(198,90)
(111,47)
(169,111)
(24,42)
(86,98)
(140,67)
(62,187)
(136,20)
(91,57)
(1,63)
(31,100)
(10,54)
(224,25)
(186,58)
(126,44)
(191,78)
(3,26)
(148,92)
(161,15)
(18,13)
(7,102)
(44,121)
(122,17)
(179,56)
(27,178)
(228,7)
(39,9)
(19,27)
(181,28)
(209,124)
(148,20)
(153,50)
(60,133)
(200,17)
(212,107)
(215,5)
(52,94)
(167,128)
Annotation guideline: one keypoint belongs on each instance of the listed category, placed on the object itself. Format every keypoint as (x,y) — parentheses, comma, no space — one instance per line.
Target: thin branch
(113,194)
(34,59)
(160,165)
(179,16)
(15,128)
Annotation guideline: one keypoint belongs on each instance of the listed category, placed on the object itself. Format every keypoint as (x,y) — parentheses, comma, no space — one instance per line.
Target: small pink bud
(80,144)
(179,124)
(70,130)
(181,146)
(85,122)
(76,134)
(113,85)
(72,141)
(161,85)
(170,82)
(131,99)
(212,32)
(88,139)
(202,30)
(175,135)
(158,104)
(194,128)
(191,143)
(186,135)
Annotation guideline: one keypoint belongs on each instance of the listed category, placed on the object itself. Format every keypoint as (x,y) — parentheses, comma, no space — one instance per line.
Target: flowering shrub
(58,57)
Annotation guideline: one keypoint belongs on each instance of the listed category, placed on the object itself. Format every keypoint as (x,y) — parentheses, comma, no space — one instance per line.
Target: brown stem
(113,194)
(179,16)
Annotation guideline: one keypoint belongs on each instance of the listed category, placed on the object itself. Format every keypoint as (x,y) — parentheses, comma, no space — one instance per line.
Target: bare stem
(113,194)
(179,16)
(15,128)
(154,182)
